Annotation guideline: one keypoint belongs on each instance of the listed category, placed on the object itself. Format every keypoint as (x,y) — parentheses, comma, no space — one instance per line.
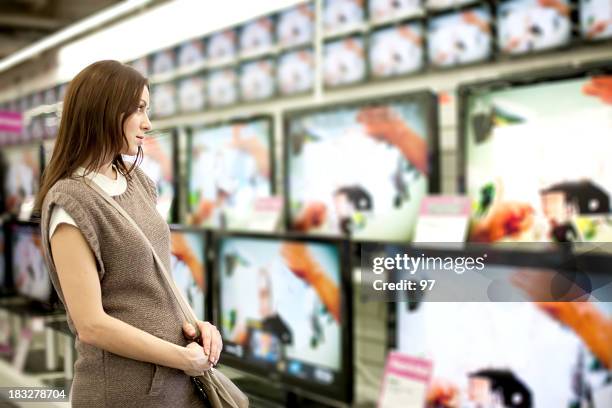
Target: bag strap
(184,306)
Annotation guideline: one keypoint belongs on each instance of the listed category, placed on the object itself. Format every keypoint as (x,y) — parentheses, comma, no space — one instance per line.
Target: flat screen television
(361,169)
(534,153)
(30,274)
(257,37)
(221,47)
(460,38)
(344,62)
(159,162)
(163,99)
(141,65)
(512,353)
(230,173)
(22,174)
(343,15)
(396,50)
(385,10)
(284,312)
(188,264)
(595,19)
(295,26)
(525,26)
(191,93)
(163,62)
(190,53)
(258,80)
(222,87)
(296,72)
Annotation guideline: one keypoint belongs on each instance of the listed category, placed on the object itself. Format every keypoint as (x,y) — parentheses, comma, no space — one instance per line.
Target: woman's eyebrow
(143,101)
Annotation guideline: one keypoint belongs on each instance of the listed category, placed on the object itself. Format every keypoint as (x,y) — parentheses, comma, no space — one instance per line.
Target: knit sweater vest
(132,290)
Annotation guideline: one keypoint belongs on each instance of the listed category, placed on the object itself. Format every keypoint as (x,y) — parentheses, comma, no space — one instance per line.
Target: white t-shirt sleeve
(59,216)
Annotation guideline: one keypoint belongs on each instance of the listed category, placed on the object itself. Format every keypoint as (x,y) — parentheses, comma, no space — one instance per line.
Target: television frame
(291,383)
(434,182)
(190,133)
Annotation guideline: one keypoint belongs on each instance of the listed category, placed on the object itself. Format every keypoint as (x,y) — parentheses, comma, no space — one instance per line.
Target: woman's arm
(78,278)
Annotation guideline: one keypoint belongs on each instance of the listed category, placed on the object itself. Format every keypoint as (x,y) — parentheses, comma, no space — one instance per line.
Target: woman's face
(137,124)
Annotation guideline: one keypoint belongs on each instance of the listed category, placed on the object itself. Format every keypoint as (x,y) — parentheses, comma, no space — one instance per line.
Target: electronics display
(361,170)
(222,87)
(296,72)
(141,65)
(190,53)
(530,165)
(158,163)
(396,50)
(284,311)
(444,4)
(22,175)
(36,128)
(257,80)
(191,93)
(342,15)
(230,168)
(61,92)
(385,10)
(524,26)
(295,26)
(188,266)
(222,47)
(50,124)
(596,19)
(344,62)
(257,37)
(163,99)
(30,274)
(460,38)
(50,97)
(37,100)
(510,354)
(163,62)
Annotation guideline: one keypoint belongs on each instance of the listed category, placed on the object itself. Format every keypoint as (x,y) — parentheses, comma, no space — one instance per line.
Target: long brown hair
(98,102)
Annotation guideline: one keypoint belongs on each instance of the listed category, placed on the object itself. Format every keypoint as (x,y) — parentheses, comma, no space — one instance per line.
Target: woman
(131,349)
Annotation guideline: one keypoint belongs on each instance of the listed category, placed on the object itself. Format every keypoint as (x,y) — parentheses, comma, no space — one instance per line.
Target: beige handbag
(216,390)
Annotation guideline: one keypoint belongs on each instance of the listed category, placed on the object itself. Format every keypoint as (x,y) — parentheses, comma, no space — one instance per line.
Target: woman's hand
(212,344)
(197,362)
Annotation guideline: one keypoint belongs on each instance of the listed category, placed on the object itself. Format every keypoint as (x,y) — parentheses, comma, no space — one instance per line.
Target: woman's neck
(109,171)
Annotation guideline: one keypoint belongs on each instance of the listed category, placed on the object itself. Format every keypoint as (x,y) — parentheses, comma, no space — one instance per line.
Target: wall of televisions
(345,177)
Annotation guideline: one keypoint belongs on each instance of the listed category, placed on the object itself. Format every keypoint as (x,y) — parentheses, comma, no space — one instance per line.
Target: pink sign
(11,122)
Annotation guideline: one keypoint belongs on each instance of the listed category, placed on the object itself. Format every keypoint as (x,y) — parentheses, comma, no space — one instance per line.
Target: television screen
(230,172)
(192,93)
(284,310)
(163,99)
(344,62)
(190,53)
(342,15)
(295,26)
(50,124)
(221,47)
(158,163)
(61,91)
(188,265)
(362,169)
(222,87)
(22,175)
(396,50)
(257,80)
(596,19)
(141,65)
(511,354)
(460,38)
(50,96)
(443,4)
(524,26)
(296,72)
(163,62)
(30,274)
(36,128)
(257,37)
(385,10)
(530,165)
(37,99)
